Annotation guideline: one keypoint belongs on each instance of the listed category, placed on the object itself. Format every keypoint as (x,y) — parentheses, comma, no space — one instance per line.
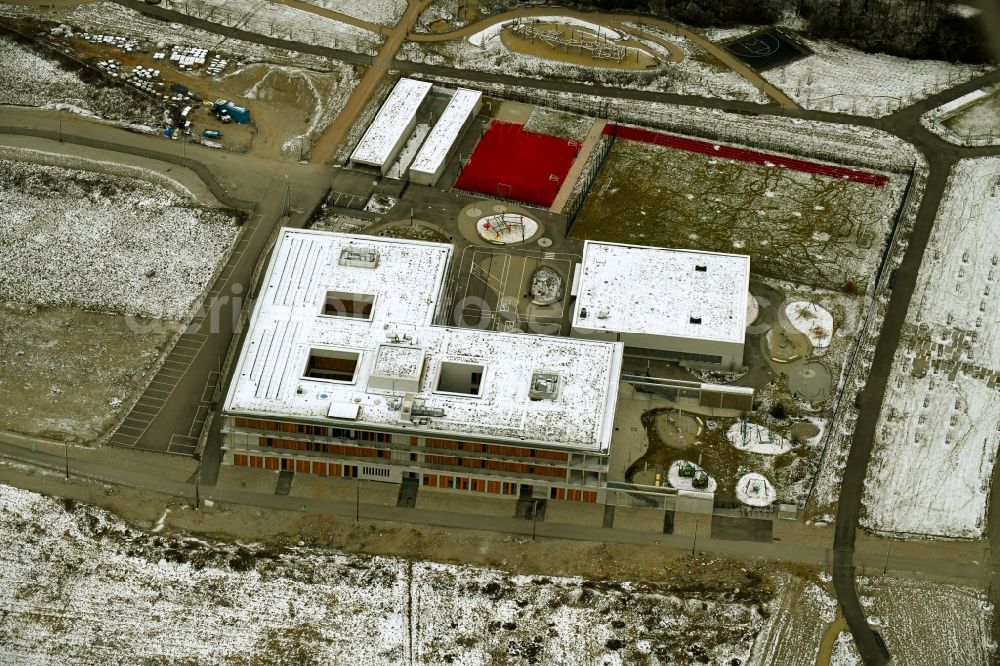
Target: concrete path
(76,156)
(593,136)
(691,534)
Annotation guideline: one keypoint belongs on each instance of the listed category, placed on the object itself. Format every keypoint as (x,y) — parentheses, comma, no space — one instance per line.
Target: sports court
(511,163)
(766,49)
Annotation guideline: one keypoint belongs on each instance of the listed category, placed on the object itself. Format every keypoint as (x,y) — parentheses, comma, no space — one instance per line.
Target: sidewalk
(162,480)
(593,136)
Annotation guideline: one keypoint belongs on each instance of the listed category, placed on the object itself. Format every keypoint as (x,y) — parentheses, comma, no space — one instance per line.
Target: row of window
(368,436)
(471,484)
(646,352)
(454,461)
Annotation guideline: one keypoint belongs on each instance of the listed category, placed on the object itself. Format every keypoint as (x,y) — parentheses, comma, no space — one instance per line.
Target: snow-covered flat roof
(435,149)
(391,122)
(657,291)
(397,339)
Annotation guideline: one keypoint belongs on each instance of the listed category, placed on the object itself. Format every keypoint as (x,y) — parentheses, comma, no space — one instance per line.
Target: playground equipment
(599,47)
(506,228)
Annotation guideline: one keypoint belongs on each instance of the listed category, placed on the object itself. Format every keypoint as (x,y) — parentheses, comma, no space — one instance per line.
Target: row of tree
(925,29)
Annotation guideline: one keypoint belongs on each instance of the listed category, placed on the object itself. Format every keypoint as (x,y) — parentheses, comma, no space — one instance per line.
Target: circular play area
(678,429)
(811,381)
(506,228)
(755,490)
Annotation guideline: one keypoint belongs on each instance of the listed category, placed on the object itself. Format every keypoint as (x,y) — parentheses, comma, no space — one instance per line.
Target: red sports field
(745,155)
(513,164)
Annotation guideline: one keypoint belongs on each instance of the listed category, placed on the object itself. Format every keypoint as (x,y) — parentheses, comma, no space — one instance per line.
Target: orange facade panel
(256,424)
(440,460)
(509,451)
(319,468)
(551,455)
(500,466)
(240,460)
(270,463)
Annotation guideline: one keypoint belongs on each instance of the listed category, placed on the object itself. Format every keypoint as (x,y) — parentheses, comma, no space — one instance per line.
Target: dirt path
(829,638)
(676,54)
(326,146)
(614,21)
(336,16)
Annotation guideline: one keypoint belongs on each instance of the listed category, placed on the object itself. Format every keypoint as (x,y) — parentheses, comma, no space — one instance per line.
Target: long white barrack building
(430,161)
(392,126)
(680,305)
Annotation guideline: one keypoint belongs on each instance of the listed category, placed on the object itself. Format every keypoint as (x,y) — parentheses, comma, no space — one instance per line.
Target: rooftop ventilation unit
(406,410)
(544,386)
(358,257)
(420,409)
(701,268)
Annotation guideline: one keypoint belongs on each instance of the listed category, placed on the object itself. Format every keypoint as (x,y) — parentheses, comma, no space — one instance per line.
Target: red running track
(513,164)
(745,155)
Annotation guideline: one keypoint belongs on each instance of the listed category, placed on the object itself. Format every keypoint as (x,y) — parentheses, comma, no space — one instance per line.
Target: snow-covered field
(112,18)
(79,586)
(838,78)
(28,79)
(383,12)
(105,243)
(277,20)
(939,429)
(693,76)
(969,120)
(446,10)
(798,619)
(930,623)
(923,623)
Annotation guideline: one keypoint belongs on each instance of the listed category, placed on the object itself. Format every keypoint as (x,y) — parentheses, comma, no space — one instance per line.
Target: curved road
(611,21)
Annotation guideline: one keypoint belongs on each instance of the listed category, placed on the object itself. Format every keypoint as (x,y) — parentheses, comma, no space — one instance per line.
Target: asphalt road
(813,550)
